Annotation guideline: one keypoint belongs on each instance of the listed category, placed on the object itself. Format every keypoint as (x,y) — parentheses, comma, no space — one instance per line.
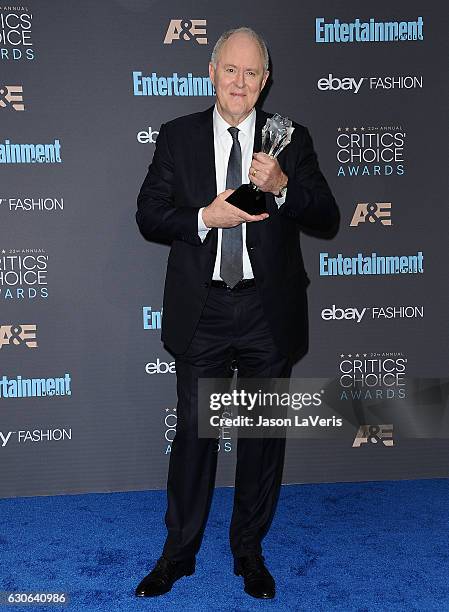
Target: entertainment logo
(338,31)
(372,264)
(186,30)
(15,33)
(172,85)
(14,153)
(370,151)
(372,376)
(20,387)
(11,97)
(23,274)
(18,335)
(152,319)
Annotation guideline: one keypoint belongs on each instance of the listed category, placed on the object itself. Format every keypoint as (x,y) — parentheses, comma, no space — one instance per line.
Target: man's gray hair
(243,30)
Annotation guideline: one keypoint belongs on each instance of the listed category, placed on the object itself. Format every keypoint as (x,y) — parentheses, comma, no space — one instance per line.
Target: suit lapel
(260,122)
(205,153)
(205,167)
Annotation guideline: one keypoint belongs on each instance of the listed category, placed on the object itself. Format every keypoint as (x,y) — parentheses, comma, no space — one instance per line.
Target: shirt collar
(221,126)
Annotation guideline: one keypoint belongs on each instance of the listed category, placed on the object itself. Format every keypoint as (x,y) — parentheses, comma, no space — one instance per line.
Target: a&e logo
(11,95)
(187,30)
(377,211)
(374,434)
(16,335)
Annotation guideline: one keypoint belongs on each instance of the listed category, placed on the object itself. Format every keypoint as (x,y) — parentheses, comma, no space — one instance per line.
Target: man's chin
(239,110)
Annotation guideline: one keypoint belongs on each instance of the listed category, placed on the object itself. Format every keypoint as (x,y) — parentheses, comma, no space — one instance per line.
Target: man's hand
(266,173)
(220,213)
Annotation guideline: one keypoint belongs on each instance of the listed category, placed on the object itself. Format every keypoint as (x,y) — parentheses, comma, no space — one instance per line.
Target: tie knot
(234,133)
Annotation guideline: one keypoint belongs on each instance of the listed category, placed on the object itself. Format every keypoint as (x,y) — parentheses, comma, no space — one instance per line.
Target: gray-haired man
(242,285)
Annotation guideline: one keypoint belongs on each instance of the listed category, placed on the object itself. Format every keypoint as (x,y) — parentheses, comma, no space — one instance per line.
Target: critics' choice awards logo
(27,204)
(224,441)
(20,387)
(370,151)
(376,83)
(374,434)
(15,33)
(372,376)
(363,313)
(147,136)
(170,421)
(375,212)
(18,335)
(11,96)
(172,85)
(360,31)
(372,264)
(14,153)
(34,435)
(152,319)
(186,30)
(23,274)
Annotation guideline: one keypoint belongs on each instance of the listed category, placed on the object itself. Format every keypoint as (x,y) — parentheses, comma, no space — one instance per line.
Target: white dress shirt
(222,148)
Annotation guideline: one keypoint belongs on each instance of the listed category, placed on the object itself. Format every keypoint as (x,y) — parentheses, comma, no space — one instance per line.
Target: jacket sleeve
(309,199)
(157,216)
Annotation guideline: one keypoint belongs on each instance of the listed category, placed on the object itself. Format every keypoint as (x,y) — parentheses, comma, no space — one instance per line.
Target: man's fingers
(258,165)
(249,218)
(261,156)
(257,176)
(231,215)
(225,194)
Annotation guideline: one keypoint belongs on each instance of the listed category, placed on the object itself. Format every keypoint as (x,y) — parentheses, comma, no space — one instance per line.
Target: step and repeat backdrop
(87,391)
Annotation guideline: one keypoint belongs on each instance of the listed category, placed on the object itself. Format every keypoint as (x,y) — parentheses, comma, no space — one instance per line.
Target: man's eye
(251,73)
(230,69)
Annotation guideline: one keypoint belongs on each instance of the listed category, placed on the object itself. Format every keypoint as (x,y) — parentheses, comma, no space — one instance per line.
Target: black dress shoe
(163,576)
(258,580)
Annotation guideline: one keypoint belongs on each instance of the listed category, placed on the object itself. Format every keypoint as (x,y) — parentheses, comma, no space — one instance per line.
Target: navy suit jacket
(181,179)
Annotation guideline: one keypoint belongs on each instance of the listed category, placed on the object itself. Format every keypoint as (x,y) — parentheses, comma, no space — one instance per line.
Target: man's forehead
(240,42)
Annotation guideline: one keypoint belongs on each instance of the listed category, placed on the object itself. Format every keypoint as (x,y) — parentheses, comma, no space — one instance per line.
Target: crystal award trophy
(276,135)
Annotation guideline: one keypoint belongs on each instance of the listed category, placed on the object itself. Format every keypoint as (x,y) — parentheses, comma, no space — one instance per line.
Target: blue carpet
(378,546)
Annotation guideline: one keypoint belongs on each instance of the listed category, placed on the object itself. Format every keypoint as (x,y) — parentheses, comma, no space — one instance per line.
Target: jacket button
(206,285)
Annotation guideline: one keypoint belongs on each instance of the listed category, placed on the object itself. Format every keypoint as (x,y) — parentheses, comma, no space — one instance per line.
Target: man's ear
(212,73)
(265,78)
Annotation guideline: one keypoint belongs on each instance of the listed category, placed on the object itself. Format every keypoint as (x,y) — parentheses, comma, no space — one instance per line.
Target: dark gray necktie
(231,266)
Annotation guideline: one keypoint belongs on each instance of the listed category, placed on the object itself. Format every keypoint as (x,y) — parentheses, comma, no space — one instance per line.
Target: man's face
(238,78)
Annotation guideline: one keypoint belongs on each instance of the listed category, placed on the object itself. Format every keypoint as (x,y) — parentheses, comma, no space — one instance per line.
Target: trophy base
(248,199)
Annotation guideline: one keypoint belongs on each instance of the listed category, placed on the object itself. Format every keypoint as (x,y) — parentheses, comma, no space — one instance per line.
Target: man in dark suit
(235,293)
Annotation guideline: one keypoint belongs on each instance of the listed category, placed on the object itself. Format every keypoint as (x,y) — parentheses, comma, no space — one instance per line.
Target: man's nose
(240,78)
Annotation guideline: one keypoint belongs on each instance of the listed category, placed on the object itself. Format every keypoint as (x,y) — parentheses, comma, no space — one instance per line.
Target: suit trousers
(232,330)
